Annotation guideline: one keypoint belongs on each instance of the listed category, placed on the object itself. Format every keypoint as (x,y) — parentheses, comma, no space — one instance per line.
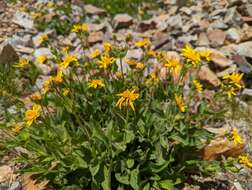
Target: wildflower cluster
(106,120)
(232,84)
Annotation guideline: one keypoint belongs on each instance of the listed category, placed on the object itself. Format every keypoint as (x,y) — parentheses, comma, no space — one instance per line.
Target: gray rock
(122,21)
(232,17)
(135,53)
(247,92)
(90,9)
(218,24)
(175,21)
(42,51)
(233,35)
(15,186)
(7,53)
(25,40)
(244,49)
(23,19)
(249,9)
(202,39)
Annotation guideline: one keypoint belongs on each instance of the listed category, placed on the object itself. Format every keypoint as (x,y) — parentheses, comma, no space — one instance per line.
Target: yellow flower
(36,96)
(41,59)
(22,63)
(173,64)
(131,62)
(95,53)
(32,114)
(234,79)
(105,61)
(231,92)
(152,53)
(107,47)
(65,91)
(96,83)
(68,59)
(143,43)
(236,137)
(205,55)
(119,74)
(180,103)
(245,160)
(127,99)
(198,86)
(65,50)
(46,85)
(43,38)
(140,66)
(17,128)
(77,28)
(58,78)
(192,56)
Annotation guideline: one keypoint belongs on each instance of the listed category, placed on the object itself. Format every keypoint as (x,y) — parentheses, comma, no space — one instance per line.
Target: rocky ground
(225,26)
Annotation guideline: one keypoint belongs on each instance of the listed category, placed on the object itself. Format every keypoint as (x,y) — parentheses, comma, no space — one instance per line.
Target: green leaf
(94,169)
(106,182)
(124,179)
(134,179)
(147,186)
(167,184)
(130,163)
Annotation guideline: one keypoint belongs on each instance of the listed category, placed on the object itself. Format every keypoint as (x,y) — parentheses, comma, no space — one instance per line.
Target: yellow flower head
(17,128)
(58,78)
(173,64)
(236,137)
(95,53)
(180,103)
(127,99)
(68,59)
(205,55)
(107,47)
(41,59)
(96,83)
(119,74)
(140,66)
(191,56)
(143,43)
(152,53)
(231,92)
(245,160)
(65,91)
(36,96)
(105,61)
(234,79)
(65,49)
(32,114)
(131,62)
(78,28)
(197,86)
(22,63)
(46,85)
(43,38)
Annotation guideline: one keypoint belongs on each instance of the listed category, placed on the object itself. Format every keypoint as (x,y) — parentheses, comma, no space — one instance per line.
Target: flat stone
(220,59)
(5,173)
(122,21)
(134,53)
(207,75)
(202,39)
(7,54)
(42,51)
(232,17)
(244,49)
(23,19)
(221,146)
(233,35)
(95,37)
(216,37)
(90,9)
(96,27)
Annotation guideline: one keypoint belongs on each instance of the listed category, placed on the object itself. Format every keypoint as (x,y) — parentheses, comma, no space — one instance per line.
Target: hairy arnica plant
(95,125)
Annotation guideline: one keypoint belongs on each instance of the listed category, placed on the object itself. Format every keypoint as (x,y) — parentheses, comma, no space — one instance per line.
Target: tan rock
(5,173)
(231,69)
(207,75)
(7,53)
(216,37)
(221,146)
(122,21)
(203,40)
(95,37)
(220,59)
(90,9)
